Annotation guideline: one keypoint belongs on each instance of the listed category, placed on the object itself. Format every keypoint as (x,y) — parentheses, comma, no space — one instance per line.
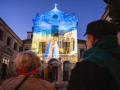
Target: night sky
(18,14)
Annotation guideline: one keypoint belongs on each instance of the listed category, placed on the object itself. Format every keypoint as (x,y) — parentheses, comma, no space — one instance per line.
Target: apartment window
(20,49)
(15,46)
(1,34)
(54,30)
(42,46)
(8,41)
(66,46)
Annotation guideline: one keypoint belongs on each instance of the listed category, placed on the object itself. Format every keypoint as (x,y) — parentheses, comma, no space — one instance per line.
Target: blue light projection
(55,35)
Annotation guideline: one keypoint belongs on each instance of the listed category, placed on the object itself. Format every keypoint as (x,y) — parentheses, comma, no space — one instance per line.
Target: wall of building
(81,45)
(107,17)
(10,45)
(81,49)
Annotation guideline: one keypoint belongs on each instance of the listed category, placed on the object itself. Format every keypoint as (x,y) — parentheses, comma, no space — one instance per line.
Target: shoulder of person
(84,72)
(5,83)
(89,68)
(10,83)
(85,64)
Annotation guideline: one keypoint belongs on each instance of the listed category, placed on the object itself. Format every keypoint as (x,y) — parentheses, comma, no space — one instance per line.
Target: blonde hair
(27,60)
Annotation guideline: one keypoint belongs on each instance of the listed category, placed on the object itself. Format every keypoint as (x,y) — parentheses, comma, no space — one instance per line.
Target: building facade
(81,44)
(107,17)
(10,45)
(81,49)
(27,43)
(55,35)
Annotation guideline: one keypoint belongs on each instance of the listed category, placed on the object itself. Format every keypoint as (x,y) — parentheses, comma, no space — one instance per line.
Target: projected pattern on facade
(55,35)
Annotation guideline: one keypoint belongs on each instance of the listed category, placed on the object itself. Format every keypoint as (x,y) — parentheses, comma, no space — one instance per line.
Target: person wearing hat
(100,68)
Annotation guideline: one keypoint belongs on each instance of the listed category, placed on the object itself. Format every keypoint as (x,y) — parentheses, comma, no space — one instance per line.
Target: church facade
(55,35)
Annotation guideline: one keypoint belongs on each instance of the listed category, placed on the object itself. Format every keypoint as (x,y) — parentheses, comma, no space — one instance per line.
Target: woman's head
(27,60)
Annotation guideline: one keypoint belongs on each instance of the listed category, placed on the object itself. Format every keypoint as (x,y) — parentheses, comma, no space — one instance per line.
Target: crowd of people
(99,69)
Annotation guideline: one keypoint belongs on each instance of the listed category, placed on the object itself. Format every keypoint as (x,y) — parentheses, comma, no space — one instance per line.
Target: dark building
(81,48)
(10,45)
(112,15)
(27,42)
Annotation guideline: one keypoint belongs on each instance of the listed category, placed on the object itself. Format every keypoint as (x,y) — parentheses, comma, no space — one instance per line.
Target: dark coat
(100,69)
(31,83)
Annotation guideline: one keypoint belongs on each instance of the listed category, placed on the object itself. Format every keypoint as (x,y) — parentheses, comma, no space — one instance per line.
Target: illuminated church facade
(55,35)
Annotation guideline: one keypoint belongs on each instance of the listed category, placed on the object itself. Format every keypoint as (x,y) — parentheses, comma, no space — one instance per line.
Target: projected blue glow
(55,35)
(55,17)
